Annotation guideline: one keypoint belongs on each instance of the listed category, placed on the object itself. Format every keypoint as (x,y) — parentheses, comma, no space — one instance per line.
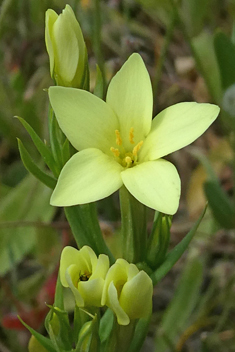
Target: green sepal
(173,256)
(59,297)
(106,323)
(55,140)
(80,318)
(99,84)
(41,147)
(222,209)
(44,341)
(58,328)
(159,240)
(88,339)
(66,151)
(85,82)
(225,53)
(33,168)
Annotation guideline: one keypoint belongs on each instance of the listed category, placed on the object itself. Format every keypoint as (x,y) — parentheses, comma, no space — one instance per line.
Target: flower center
(123,157)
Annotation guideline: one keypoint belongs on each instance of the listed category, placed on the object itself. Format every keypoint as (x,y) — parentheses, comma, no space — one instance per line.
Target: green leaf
(44,341)
(26,203)
(59,297)
(225,53)
(66,151)
(182,305)
(193,13)
(41,147)
(204,48)
(99,84)
(174,255)
(220,205)
(34,169)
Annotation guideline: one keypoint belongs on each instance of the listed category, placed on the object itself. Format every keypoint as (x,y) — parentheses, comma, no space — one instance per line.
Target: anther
(131,135)
(115,151)
(118,138)
(137,148)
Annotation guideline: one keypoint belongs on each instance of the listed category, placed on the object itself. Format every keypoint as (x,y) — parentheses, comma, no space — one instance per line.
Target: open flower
(120,144)
(84,273)
(127,291)
(66,48)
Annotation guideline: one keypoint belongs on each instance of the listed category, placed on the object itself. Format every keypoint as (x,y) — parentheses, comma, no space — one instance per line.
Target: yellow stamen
(115,151)
(128,161)
(137,148)
(131,135)
(118,138)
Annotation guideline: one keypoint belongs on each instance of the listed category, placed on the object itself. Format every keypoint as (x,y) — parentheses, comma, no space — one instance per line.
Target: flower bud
(127,291)
(84,273)
(66,48)
(159,240)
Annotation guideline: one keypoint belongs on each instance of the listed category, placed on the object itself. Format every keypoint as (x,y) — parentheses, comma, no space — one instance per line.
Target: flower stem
(86,229)
(133,215)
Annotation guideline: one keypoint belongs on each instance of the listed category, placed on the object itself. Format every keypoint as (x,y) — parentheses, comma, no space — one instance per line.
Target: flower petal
(87,177)
(136,296)
(70,274)
(130,96)
(69,256)
(91,291)
(177,126)
(87,121)
(155,184)
(64,48)
(114,304)
(51,17)
(101,268)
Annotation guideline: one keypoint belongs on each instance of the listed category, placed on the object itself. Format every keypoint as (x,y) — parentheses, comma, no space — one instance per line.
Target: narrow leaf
(99,84)
(220,205)
(225,52)
(174,255)
(44,341)
(33,168)
(41,147)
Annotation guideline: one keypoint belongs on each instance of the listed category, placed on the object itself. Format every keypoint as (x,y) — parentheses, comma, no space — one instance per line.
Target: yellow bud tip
(115,151)
(118,138)
(131,135)
(137,148)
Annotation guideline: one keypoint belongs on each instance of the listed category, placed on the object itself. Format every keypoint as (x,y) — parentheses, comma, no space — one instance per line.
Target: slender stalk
(133,215)
(161,60)
(97,37)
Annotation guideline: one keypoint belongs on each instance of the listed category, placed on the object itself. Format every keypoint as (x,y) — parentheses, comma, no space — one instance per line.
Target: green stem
(86,229)
(134,236)
(161,60)
(97,37)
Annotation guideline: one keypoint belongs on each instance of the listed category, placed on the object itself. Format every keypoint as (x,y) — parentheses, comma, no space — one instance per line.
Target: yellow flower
(84,273)
(127,291)
(66,48)
(120,144)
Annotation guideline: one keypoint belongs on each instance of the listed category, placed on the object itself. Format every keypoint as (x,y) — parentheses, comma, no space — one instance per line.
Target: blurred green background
(188,47)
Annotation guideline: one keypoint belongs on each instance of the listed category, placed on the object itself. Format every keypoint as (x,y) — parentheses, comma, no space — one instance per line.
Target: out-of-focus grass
(194,309)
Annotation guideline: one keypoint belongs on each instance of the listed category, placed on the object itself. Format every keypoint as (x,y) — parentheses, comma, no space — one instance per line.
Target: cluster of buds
(122,287)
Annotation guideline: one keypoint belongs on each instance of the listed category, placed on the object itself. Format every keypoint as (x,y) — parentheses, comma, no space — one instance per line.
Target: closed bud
(84,273)
(159,240)
(66,49)
(128,292)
